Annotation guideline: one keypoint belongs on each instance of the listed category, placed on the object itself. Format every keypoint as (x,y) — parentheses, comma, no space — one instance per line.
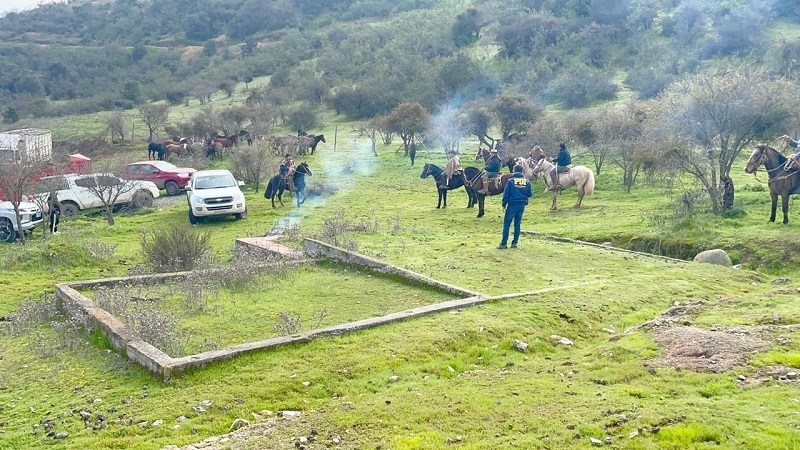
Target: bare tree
(710,117)
(116,126)
(253,164)
(153,116)
(370,130)
(108,188)
(16,180)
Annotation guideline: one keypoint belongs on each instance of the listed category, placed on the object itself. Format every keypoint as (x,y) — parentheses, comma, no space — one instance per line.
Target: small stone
(791,375)
(181,419)
(158,423)
(336,440)
(571,426)
(449,441)
(610,330)
(143,424)
(176,427)
(742,378)
(780,281)
(61,435)
(459,438)
(595,441)
(97,400)
(451,369)
(607,440)
(306,383)
(565,341)
(238,423)
(303,440)
(394,379)
(206,403)
(633,434)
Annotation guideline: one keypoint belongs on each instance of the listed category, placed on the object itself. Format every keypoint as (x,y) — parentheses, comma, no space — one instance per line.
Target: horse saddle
(567,169)
(791,164)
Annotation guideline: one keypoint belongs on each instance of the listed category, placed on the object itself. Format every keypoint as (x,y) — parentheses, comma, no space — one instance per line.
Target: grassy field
(460,380)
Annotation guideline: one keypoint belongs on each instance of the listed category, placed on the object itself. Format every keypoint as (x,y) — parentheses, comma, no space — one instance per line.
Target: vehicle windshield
(163,165)
(215,181)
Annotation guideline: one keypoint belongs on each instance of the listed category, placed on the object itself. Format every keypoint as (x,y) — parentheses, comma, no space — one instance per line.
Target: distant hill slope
(364,57)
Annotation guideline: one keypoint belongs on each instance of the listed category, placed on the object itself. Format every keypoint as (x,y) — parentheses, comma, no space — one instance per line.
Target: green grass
(459,375)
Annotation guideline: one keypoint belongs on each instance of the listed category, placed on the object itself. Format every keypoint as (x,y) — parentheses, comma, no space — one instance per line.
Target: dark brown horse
(495,187)
(309,142)
(455,182)
(781,182)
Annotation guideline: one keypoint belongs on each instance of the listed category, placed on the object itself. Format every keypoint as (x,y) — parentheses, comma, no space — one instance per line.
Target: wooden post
(335,135)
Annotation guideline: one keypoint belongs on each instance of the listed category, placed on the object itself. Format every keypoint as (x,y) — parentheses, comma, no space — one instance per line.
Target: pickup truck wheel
(7,233)
(69,209)
(142,199)
(172,188)
(192,218)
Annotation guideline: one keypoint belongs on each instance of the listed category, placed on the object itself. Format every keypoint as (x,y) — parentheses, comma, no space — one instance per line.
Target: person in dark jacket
(515,197)
(287,171)
(53,206)
(493,166)
(562,161)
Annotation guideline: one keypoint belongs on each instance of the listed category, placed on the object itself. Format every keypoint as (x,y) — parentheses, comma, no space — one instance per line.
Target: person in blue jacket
(562,161)
(515,197)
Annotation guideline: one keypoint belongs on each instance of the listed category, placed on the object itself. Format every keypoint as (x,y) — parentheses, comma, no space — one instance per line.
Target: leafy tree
(477,119)
(302,116)
(409,120)
(706,120)
(514,113)
(115,122)
(467,28)
(154,116)
(138,53)
(10,115)
(17,178)
(132,91)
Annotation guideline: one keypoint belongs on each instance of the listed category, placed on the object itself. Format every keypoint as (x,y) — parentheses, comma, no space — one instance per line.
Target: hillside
(364,58)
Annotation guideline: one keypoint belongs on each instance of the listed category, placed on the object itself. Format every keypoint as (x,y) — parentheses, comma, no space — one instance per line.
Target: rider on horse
(287,171)
(452,168)
(562,164)
(791,160)
(492,169)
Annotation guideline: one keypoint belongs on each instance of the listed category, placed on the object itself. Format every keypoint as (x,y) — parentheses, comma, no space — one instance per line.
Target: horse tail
(588,187)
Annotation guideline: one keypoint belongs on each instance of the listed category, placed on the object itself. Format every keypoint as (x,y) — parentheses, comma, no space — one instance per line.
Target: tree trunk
(110,215)
(727,193)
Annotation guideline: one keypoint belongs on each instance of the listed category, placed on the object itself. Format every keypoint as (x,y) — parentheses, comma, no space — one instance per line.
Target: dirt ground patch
(693,348)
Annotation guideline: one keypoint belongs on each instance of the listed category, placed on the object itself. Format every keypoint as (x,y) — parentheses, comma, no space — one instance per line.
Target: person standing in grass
(515,197)
(54,210)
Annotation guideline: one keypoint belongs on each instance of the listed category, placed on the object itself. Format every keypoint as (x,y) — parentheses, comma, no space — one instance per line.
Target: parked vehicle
(30,214)
(215,193)
(79,192)
(26,145)
(165,175)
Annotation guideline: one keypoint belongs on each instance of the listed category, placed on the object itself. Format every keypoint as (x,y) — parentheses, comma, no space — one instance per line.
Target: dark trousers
(513,212)
(412,155)
(54,219)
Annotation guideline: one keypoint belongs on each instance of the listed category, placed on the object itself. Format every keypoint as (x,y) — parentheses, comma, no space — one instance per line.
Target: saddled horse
(277,185)
(496,186)
(309,142)
(579,176)
(455,182)
(155,151)
(781,182)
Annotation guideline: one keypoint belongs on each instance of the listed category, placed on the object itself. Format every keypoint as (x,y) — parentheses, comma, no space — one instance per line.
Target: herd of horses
(216,146)
(537,166)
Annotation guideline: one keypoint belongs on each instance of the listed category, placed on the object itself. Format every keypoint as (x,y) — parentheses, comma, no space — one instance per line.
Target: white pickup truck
(78,192)
(30,215)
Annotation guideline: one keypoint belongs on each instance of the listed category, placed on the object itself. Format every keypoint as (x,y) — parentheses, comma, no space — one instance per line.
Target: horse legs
(554,205)
(481,199)
(444,197)
(439,191)
(785,207)
(581,193)
(774,196)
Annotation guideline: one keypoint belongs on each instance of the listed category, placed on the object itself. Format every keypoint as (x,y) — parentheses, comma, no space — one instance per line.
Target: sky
(18,5)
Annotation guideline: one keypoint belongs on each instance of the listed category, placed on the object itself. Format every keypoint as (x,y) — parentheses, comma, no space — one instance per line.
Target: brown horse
(309,142)
(175,149)
(781,182)
(496,186)
(579,176)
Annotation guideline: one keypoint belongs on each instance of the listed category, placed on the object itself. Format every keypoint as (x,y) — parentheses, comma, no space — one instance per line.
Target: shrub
(174,248)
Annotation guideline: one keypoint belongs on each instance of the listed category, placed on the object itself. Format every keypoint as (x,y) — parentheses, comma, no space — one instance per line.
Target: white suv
(29,213)
(215,193)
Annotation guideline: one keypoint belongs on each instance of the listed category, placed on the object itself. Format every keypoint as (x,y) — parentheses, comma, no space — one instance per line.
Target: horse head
(426,171)
(758,157)
(541,166)
(480,154)
(321,137)
(304,169)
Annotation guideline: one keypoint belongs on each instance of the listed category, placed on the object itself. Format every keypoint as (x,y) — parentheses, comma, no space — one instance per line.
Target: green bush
(174,248)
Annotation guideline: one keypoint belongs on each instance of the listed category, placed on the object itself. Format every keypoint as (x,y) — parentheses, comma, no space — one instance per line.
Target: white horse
(580,176)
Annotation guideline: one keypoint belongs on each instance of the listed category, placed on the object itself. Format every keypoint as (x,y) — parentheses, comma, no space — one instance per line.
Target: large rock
(715,256)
